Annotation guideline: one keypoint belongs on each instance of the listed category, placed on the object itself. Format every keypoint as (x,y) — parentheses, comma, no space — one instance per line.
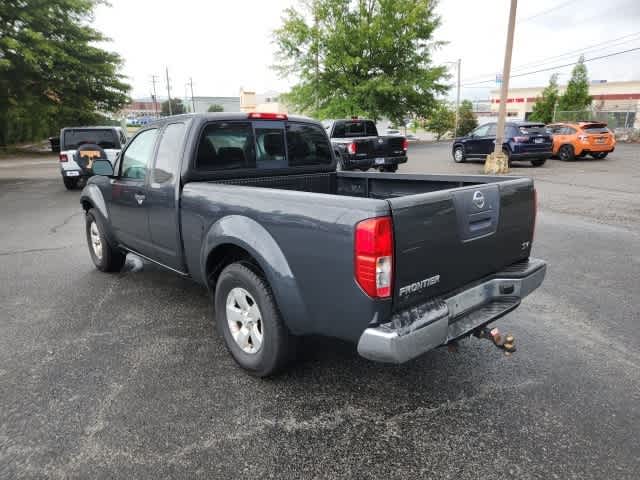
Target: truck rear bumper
(415,331)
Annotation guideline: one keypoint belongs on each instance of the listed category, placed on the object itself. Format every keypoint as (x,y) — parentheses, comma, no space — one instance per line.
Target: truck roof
(227,116)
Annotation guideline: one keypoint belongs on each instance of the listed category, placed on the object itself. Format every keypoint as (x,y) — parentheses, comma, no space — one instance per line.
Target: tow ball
(506,342)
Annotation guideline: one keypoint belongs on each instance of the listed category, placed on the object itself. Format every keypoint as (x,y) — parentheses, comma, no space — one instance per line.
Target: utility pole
(155,95)
(169,92)
(193,102)
(455,131)
(498,162)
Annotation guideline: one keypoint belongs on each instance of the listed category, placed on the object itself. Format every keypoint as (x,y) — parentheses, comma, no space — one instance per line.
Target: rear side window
(307,145)
(107,138)
(168,153)
(226,146)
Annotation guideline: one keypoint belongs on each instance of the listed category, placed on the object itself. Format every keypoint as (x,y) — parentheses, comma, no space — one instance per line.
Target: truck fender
(249,235)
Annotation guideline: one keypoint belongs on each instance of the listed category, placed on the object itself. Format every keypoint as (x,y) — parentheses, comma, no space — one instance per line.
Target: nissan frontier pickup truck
(252,207)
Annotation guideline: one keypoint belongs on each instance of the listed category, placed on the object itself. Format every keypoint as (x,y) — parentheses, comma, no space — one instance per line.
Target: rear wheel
(104,256)
(458,155)
(508,155)
(566,153)
(538,162)
(247,317)
(389,168)
(599,155)
(70,183)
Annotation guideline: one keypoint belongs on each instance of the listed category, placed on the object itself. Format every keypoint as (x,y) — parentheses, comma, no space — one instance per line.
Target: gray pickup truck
(251,205)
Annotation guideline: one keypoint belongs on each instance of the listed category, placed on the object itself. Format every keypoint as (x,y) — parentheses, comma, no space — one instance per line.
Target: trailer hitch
(506,342)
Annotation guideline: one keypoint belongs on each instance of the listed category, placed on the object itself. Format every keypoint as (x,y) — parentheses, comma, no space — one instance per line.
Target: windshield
(595,128)
(106,138)
(533,129)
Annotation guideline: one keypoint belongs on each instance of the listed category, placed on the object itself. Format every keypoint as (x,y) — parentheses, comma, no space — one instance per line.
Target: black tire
(389,169)
(566,153)
(277,344)
(538,162)
(108,258)
(461,158)
(599,155)
(70,183)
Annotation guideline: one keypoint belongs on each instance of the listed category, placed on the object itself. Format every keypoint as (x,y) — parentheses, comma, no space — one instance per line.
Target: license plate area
(72,173)
(379,161)
(538,140)
(600,140)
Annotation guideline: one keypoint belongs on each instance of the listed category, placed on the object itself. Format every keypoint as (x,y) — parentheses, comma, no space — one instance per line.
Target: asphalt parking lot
(123,376)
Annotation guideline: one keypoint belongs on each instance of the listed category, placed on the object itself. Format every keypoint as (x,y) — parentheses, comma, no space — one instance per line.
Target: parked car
(251,206)
(92,143)
(54,143)
(526,141)
(359,147)
(576,140)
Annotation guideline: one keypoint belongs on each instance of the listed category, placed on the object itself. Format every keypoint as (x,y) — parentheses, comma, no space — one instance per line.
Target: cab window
(137,156)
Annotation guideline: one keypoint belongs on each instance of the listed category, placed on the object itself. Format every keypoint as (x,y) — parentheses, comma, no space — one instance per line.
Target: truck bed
(442,239)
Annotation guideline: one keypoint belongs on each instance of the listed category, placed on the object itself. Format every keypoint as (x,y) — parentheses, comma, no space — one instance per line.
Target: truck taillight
(405,144)
(521,139)
(63,158)
(374,256)
(352,148)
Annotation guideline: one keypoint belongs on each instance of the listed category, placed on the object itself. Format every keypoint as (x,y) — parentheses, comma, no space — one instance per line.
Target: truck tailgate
(449,238)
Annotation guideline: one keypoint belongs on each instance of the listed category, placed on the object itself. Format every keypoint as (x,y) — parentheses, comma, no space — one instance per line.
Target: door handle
(140,197)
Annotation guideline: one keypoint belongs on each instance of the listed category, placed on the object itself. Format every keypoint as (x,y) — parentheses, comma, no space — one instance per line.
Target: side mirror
(102,167)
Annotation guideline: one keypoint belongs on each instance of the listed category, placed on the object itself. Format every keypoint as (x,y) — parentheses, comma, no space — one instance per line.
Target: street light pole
(169,92)
(455,131)
(498,162)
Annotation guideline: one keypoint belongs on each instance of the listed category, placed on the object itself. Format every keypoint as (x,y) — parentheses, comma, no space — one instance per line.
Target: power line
(560,66)
(605,44)
(544,12)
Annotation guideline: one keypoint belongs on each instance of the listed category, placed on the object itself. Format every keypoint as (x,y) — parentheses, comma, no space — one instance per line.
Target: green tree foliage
(368,58)
(441,120)
(576,96)
(215,108)
(467,120)
(177,107)
(545,105)
(52,74)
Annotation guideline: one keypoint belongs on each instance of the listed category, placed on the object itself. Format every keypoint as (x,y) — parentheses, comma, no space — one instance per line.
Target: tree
(467,120)
(368,58)
(545,106)
(576,96)
(441,120)
(177,107)
(52,74)
(215,108)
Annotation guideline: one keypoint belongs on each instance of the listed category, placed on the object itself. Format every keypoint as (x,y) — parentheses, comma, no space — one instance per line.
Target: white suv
(110,139)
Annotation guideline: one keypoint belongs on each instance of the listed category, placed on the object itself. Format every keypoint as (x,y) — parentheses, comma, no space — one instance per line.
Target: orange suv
(575,140)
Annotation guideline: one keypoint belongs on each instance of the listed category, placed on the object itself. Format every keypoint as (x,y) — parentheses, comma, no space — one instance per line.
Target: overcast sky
(225,45)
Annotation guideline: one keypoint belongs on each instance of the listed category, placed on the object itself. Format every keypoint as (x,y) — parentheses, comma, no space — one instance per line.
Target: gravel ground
(122,376)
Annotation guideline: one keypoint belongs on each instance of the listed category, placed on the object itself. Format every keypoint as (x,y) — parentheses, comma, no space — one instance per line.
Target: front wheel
(538,162)
(599,155)
(104,256)
(247,317)
(458,155)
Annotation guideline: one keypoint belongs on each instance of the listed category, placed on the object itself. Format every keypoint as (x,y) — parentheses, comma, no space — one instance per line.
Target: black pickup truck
(251,205)
(358,146)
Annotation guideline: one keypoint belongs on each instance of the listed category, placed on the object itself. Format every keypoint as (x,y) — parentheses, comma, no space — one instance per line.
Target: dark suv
(522,141)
